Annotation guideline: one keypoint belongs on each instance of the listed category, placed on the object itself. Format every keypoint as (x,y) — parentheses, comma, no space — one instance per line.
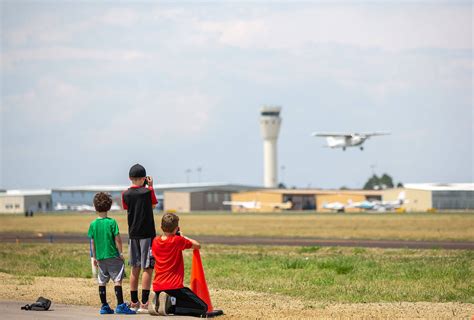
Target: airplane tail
(401,197)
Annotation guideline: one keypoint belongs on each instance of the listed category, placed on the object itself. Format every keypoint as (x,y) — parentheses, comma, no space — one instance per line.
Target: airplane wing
(372,134)
(331,134)
(346,134)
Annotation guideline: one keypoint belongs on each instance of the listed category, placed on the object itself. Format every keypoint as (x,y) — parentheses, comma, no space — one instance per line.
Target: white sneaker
(143,308)
(153,305)
(164,303)
(134,306)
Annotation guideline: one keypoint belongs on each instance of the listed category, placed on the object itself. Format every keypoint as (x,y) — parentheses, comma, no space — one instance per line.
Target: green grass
(318,274)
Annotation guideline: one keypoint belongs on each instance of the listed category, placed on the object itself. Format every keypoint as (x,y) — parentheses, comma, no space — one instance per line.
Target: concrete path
(12,310)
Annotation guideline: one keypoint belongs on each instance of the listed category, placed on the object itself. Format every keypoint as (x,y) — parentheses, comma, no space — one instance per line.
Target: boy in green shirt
(107,254)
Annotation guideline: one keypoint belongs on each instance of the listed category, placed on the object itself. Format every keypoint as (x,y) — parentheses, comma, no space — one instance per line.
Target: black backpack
(42,304)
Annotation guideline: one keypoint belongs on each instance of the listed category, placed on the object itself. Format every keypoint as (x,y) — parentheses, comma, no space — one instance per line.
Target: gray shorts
(139,253)
(112,268)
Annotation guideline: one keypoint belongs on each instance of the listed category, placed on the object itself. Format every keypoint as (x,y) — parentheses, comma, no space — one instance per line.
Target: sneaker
(124,309)
(134,306)
(164,303)
(143,308)
(106,309)
(153,305)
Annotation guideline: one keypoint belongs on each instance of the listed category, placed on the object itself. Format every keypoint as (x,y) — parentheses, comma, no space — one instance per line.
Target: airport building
(437,196)
(21,201)
(81,198)
(204,198)
(268,200)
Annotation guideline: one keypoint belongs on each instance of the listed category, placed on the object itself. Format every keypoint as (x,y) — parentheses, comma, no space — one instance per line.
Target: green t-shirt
(103,231)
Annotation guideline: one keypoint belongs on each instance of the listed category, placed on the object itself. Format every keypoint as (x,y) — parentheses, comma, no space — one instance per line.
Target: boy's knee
(136,270)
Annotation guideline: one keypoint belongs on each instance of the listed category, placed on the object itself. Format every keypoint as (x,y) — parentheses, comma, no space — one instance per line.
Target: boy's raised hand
(150,181)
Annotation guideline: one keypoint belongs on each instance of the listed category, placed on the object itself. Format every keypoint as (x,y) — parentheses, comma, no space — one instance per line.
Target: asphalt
(12,310)
(274,241)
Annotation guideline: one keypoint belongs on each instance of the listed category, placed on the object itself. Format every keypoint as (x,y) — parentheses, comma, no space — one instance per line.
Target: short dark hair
(102,201)
(169,222)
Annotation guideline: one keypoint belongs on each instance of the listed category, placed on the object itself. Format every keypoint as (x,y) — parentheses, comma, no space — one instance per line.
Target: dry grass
(237,304)
(438,226)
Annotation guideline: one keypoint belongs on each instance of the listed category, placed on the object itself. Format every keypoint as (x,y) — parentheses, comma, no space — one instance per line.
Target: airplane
(334,206)
(368,205)
(258,204)
(380,205)
(345,140)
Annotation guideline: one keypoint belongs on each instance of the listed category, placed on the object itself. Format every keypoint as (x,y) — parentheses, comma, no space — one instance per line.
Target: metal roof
(38,192)
(440,186)
(321,191)
(159,187)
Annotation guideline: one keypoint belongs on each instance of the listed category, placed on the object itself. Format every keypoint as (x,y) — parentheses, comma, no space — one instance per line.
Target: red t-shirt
(169,264)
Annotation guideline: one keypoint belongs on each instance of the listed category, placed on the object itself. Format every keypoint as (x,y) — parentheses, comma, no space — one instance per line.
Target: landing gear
(343,148)
(361,148)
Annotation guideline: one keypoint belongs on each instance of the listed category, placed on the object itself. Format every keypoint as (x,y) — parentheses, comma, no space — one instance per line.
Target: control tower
(270,122)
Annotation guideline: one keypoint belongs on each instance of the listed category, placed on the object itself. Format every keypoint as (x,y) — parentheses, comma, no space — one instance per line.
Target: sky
(90,88)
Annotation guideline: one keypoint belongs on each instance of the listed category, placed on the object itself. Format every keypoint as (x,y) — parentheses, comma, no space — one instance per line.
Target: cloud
(158,117)
(387,27)
(50,101)
(122,17)
(62,53)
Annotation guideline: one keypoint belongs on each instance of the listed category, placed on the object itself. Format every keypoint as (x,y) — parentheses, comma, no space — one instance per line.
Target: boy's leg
(118,292)
(122,308)
(187,303)
(103,294)
(134,262)
(147,263)
(146,284)
(135,275)
(102,278)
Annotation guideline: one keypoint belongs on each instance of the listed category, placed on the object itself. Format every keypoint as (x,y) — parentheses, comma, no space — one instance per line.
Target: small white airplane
(345,140)
(258,204)
(334,206)
(380,205)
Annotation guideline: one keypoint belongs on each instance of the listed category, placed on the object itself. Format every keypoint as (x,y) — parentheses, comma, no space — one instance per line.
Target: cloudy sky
(88,89)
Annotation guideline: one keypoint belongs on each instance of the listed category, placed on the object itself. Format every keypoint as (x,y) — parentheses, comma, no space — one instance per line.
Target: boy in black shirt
(139,201)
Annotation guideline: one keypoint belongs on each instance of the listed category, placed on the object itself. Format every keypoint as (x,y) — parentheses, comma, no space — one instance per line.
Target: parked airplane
(380,205)
(334,206)
(258,204)
(374,205)
(344,140)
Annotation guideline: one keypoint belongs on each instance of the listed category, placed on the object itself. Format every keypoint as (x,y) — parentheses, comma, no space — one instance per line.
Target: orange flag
(198,280)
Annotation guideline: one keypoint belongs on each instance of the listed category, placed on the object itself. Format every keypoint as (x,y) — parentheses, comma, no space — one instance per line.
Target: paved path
(275,241)
(12,310)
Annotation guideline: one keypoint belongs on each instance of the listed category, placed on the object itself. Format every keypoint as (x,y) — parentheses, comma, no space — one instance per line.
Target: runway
(271,241)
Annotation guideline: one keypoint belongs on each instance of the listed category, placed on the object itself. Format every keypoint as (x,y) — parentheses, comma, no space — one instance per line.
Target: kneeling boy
(171,297)
(107,254)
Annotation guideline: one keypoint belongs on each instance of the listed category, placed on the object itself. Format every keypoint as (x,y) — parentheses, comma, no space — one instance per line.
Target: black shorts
(139,253)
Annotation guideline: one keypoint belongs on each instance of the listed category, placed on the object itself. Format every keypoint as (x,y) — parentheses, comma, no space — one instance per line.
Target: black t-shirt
(138,201)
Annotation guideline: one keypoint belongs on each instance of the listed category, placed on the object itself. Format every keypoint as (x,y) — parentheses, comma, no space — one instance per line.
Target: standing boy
(171,297)
(139,201)
(106,248)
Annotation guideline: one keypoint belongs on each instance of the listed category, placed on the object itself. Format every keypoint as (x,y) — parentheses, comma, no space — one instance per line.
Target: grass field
(310,273)
(274,282)
(420,226)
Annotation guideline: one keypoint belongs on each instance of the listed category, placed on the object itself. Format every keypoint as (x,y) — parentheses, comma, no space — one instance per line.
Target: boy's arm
(154,202)
(124,204)
(196,245)
(118,243)
(93,252)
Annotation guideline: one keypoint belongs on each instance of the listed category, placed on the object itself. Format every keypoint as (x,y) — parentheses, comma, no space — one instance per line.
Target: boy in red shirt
(171,297)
